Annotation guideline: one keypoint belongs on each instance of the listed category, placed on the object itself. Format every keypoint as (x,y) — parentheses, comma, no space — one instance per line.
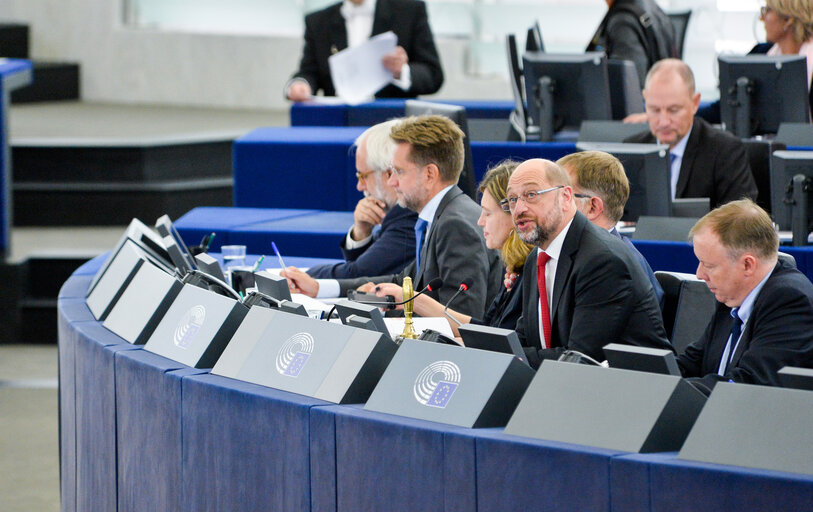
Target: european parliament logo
(436,384)
(294,353)
(189,326)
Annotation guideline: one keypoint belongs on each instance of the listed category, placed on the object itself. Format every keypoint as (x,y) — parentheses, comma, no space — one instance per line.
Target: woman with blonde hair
(789,26)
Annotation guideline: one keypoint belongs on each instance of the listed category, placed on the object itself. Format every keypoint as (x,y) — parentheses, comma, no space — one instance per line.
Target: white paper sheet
(358,73)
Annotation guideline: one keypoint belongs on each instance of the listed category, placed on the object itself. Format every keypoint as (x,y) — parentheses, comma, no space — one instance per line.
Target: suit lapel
(715,355)
(337,32)
(450,195)
(382,17)
(687,161)
(569,248)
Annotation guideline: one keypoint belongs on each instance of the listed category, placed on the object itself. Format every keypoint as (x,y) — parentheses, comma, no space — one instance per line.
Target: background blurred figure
(636,30)
(414,64)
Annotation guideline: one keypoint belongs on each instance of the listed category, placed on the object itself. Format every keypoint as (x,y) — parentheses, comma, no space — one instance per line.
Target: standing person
(415,64)
(581,287)
(635,30)
(764,317)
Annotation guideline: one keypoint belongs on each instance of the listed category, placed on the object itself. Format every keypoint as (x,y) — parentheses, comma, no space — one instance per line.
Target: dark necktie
(736,329)
(543,297)
(420,230)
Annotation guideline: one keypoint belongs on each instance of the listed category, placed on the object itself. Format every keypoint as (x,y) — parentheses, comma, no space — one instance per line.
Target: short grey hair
(380,146)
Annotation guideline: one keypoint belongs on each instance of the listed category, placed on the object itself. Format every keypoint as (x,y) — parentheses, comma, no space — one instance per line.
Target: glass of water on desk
(234,256)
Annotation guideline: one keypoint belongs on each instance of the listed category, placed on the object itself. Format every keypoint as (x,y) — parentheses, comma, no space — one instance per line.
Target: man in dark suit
(414,64)
(426,165)
(594,292)
(764,319)
(635,30)
(382,238)
(706,162)
(601,189)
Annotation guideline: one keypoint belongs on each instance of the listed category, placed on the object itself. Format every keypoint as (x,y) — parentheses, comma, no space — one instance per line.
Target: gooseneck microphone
(433,285)
(462,288)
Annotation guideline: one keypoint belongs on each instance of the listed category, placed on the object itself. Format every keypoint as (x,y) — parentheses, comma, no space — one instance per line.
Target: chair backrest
(795,134)
(688,307)
(759,159)
(788,258)
(680,21)
(625,88)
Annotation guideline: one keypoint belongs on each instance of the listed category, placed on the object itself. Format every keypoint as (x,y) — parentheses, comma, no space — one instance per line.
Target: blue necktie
(673,176)
(420,231)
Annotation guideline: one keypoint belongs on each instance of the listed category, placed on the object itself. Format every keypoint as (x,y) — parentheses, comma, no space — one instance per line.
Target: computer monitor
(758,92)
(166,228)
(790,205)
(518,117)
(456,113)
(563,90)
(177,256)
(647,168)
(533,41)
(625,88)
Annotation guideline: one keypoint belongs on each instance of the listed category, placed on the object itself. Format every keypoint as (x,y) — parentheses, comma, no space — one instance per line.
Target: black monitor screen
(784,166)
(647,168)
(758,92)
(456,113)
(166,228)
(564,90)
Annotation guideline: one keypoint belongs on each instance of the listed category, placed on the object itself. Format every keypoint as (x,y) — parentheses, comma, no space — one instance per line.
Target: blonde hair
(600,174)
(800,14)
(742,226)
(513,251)
(433,140)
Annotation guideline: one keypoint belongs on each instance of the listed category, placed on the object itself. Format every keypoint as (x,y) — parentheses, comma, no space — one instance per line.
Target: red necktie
(543,297)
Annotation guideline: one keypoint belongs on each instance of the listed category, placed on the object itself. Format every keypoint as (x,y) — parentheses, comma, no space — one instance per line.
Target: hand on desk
(384,289)
(369,213)
(639,117)
(300,282)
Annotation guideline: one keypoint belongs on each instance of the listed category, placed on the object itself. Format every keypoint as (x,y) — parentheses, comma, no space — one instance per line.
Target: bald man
(706,162)
(593,290)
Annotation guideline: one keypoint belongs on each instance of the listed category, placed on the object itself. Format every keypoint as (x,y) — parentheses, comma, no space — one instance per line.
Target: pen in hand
(279,256)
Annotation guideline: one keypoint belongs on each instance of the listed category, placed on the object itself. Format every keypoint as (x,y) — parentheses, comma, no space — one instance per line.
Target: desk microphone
(462,288)
(433,285)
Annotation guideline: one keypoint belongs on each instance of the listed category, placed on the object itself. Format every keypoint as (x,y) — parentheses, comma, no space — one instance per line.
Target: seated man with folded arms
(449,245)
(764,319)
(601,189)
(382,238)
(593,291)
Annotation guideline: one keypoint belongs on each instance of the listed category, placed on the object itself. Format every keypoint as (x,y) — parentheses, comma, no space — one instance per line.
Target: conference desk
(313,167)
(317,234)
(374,112)
(142,432)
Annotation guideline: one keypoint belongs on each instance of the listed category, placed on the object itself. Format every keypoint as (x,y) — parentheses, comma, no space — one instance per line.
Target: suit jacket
(326,34)
(644,265)
(600,295)
(778,333)
(505,309)
(714,165)
(455,251)
(391,249)
(622,35)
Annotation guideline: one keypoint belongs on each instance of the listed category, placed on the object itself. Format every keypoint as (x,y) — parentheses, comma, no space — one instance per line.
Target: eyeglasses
(582,196)
(764,10)
(509,204)
(363,177)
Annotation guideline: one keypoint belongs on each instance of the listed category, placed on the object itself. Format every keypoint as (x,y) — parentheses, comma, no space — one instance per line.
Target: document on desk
(358,73)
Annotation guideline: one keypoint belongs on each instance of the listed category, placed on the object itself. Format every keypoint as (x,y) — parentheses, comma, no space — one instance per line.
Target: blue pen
(279,256)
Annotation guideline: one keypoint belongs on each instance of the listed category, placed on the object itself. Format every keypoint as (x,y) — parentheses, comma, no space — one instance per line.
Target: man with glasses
(593,292)
(449,245)
(382,238)
(601,189)
(706,162)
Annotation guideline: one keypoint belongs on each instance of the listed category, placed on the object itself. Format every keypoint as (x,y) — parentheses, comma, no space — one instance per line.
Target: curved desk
(141,432)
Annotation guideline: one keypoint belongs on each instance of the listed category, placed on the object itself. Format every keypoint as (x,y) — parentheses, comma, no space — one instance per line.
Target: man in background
(415,64)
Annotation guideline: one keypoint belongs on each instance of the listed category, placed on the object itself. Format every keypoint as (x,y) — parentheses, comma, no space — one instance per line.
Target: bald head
(541,200)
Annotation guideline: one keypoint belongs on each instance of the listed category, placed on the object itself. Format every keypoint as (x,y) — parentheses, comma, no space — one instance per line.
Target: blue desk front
(313,167)
(141,432)
(374,112)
